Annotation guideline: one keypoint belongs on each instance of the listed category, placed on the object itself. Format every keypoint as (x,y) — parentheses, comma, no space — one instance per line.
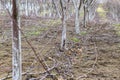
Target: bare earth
(92,55)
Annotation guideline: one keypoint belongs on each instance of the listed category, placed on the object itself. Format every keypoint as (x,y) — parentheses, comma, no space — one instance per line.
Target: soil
(94,54)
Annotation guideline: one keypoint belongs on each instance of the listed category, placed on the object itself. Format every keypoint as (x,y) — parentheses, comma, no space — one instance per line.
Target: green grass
(51,22)
(101,11)
(75,39)
(54,22)
(35,31)
(43,13)
(117,25)
(117,28)
(83,33)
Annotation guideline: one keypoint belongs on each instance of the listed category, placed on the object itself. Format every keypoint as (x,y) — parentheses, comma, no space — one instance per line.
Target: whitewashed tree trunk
(32,7)
(16,42)
(44,8)
(26,8)
(8,5)
(0,6)
(37,7)
(92,12)
(56,7)
(91,6)
(77,24)
(50,9)
(89,10)
(63,40)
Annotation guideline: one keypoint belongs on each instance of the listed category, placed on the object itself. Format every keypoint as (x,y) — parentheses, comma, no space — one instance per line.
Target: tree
(63,40)
(16,41)
(26,7)
(89,10)
(56,8)
(112,8)
(77,6)
(92,9)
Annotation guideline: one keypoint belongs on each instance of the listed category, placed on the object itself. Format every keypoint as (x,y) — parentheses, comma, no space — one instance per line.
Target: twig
(46,72)
(43,77)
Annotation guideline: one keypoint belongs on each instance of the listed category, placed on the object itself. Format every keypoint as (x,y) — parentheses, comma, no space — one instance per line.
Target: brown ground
(92,55)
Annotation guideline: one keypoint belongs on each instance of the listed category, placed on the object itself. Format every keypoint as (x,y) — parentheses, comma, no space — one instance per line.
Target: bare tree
(63,41)
(26,7)
(77,5)
(56,8)
(89,10)
(92,9)
(113,9)
(16,41)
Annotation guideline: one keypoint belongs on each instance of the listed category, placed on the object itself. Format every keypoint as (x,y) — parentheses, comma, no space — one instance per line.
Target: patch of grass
(75,39)
(117,28)
(3,13)
(43,13)
(83,33)
(81,13)
(101,11)
(35,31)
(42,29)
(1,45)
(117,25)
(53,22)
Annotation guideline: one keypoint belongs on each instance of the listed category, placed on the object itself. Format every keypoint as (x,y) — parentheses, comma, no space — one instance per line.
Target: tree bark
(56,8)
(63,40)
(16,42)
(77,21)
(84,18)
(26,8)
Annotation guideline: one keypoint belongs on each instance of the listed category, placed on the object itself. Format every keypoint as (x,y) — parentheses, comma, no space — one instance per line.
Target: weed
(83,33)
(117,28)
(101,11)
(75,39)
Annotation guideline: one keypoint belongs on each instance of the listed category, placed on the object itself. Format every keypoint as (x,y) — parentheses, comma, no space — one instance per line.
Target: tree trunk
(84,20)
(0,7)
(77,24)
(56,8)
(26,8)
(63,40)
(16,42)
